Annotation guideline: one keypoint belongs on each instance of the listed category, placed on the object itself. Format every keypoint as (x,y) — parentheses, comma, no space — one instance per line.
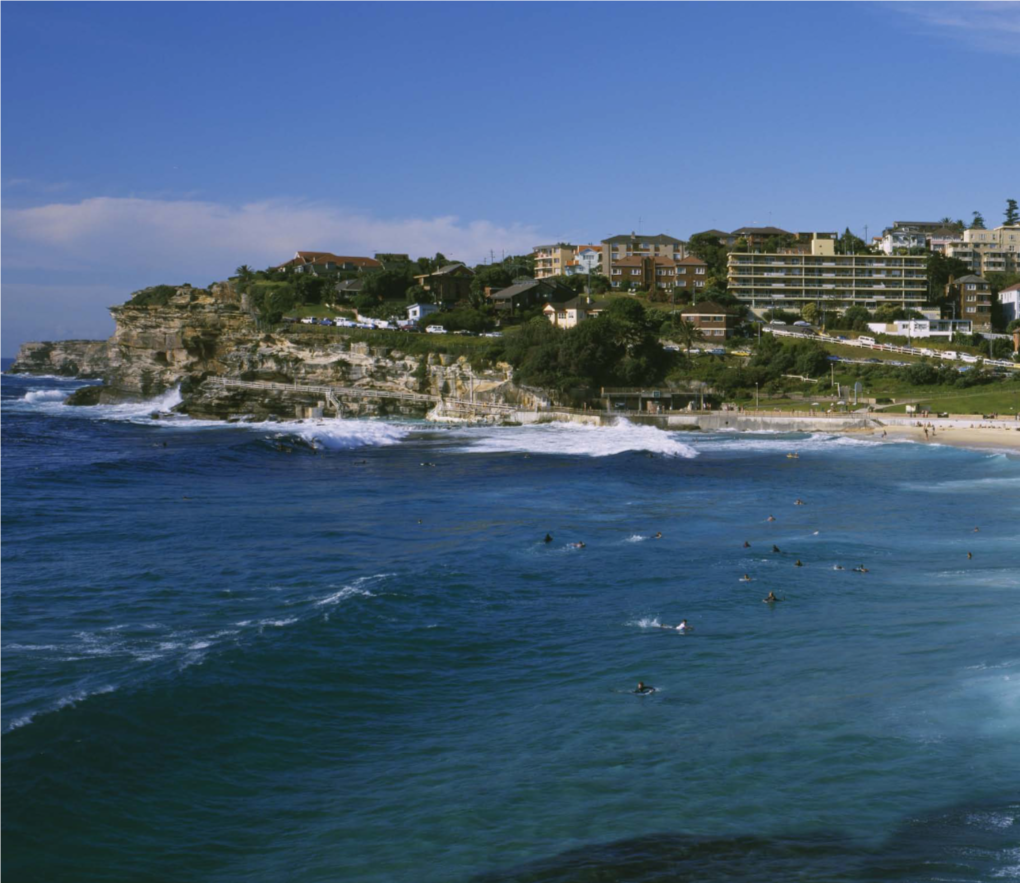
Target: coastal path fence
(887,347)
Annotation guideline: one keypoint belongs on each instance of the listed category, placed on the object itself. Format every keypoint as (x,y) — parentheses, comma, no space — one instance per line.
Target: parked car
(308,320)
(465,333)
(325,321)
(803,324)
(950,354)
(718,351)
(435,329)
(967,357)
(867,341)
(493,334)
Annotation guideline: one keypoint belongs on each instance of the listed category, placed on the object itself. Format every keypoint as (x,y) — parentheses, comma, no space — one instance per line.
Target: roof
(706,308)
(351,285)
(761,231)
(971,278)
(713,233)
(1014,287)
(658,238)
(303,258)
(449,268)
(691,259)
(580,302)
(592,247)
(519,288)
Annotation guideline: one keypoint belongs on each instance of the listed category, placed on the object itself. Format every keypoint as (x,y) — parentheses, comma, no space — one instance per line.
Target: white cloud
(207,239)
(985,26)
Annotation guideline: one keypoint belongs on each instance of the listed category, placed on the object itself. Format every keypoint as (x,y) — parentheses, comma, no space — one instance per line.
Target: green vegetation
(154,296)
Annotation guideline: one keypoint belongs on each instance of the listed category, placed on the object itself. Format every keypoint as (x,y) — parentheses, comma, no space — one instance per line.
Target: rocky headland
(200,338)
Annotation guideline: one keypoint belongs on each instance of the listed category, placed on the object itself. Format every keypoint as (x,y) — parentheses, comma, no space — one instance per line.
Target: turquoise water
(295,652)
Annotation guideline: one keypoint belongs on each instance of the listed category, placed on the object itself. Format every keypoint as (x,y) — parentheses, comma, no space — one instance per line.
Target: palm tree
(687,334)
(245,277)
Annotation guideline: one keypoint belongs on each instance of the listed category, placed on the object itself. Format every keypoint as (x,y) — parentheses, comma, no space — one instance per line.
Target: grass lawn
(1001,398)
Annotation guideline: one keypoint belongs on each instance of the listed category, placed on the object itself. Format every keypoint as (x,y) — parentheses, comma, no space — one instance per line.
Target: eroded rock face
(88,359)
(200,336)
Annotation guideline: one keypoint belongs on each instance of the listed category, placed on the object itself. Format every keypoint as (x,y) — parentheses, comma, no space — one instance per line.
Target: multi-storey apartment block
(638,245)
(989,251)
(974,298)
(822,276)
(552,260)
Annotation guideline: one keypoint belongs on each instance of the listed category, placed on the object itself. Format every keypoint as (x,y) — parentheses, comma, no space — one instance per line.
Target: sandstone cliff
(200,336)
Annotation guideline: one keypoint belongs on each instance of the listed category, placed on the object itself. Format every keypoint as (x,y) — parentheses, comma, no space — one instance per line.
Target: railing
(888,347)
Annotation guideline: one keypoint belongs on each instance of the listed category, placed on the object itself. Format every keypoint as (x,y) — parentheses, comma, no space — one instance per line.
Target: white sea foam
(637,538)
(575,439)
(647,623)
(818,441)
(45,395)
(340,434)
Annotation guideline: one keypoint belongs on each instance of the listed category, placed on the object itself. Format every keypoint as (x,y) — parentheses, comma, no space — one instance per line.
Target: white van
(435,329)
(869,341)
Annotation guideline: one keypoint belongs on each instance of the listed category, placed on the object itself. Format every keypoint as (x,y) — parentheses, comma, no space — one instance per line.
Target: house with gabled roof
(449,284)
(326,262)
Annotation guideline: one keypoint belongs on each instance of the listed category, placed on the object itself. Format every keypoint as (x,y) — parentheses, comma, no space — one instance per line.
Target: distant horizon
(167,150)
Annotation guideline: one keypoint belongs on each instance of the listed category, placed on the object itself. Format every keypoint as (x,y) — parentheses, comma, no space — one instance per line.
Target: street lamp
(756,396)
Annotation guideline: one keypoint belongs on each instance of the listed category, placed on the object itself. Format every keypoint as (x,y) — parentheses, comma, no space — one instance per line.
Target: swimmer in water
(747,545)
(683,627)
(798,563)
(837,567)
(860,569)
(976,529)
(644,689)
(548,538)
(771,518)
(770,598)
(658,536)
(799,502)
(745,578)
(775,548)
(969,556)
(577,545)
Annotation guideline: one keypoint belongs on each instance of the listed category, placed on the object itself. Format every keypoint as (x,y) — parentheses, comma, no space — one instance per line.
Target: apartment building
(691,273)
(823,276)
(552,260)
(989,251)
(898,239)
(973,296)
(616,248)
(587,259)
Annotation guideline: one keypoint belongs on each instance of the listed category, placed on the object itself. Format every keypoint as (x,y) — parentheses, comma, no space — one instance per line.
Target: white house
(901,237)
(922,327)
(587,259)
(417,312)
(1009,298)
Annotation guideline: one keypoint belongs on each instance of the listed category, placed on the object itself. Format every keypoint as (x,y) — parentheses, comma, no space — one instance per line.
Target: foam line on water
(577,439)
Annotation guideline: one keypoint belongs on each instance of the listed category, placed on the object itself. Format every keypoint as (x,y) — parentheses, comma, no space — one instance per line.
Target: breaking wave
(45,395)
(576,439)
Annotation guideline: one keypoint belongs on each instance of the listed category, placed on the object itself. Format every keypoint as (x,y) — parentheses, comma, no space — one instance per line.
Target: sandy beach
(1003,435)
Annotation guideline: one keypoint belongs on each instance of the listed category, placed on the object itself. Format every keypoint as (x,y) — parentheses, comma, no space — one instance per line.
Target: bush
(154,296)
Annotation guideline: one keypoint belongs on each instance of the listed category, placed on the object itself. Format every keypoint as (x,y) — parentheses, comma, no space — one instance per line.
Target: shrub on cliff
(153,296)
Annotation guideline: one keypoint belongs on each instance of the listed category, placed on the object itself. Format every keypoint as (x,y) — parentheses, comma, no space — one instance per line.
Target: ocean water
(294,652)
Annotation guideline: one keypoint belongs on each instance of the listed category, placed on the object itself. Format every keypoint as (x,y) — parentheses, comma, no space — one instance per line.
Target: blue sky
(149,143)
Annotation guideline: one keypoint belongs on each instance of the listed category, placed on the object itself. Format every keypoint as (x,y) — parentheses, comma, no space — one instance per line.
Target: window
(971,309)
(635,272)
(700,271)
(617,271)
(971,287)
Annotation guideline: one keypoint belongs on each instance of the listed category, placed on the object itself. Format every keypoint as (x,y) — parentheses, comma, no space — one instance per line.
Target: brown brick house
(714,321)
(691,273)
(973,296)
(448,284)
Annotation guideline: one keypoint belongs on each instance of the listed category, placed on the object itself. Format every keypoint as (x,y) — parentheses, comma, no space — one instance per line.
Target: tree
(850,244)
(687,334)
(940,268)
(387,284)
(494,276)
(1012,214)
(978,223)
(809,312)
(708,248)
(245,277)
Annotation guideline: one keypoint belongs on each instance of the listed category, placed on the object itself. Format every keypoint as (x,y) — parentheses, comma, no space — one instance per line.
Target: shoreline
(973,436)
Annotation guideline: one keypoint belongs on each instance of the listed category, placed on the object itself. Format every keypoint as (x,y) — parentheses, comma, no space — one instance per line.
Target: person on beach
(770,598)
(644,689)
